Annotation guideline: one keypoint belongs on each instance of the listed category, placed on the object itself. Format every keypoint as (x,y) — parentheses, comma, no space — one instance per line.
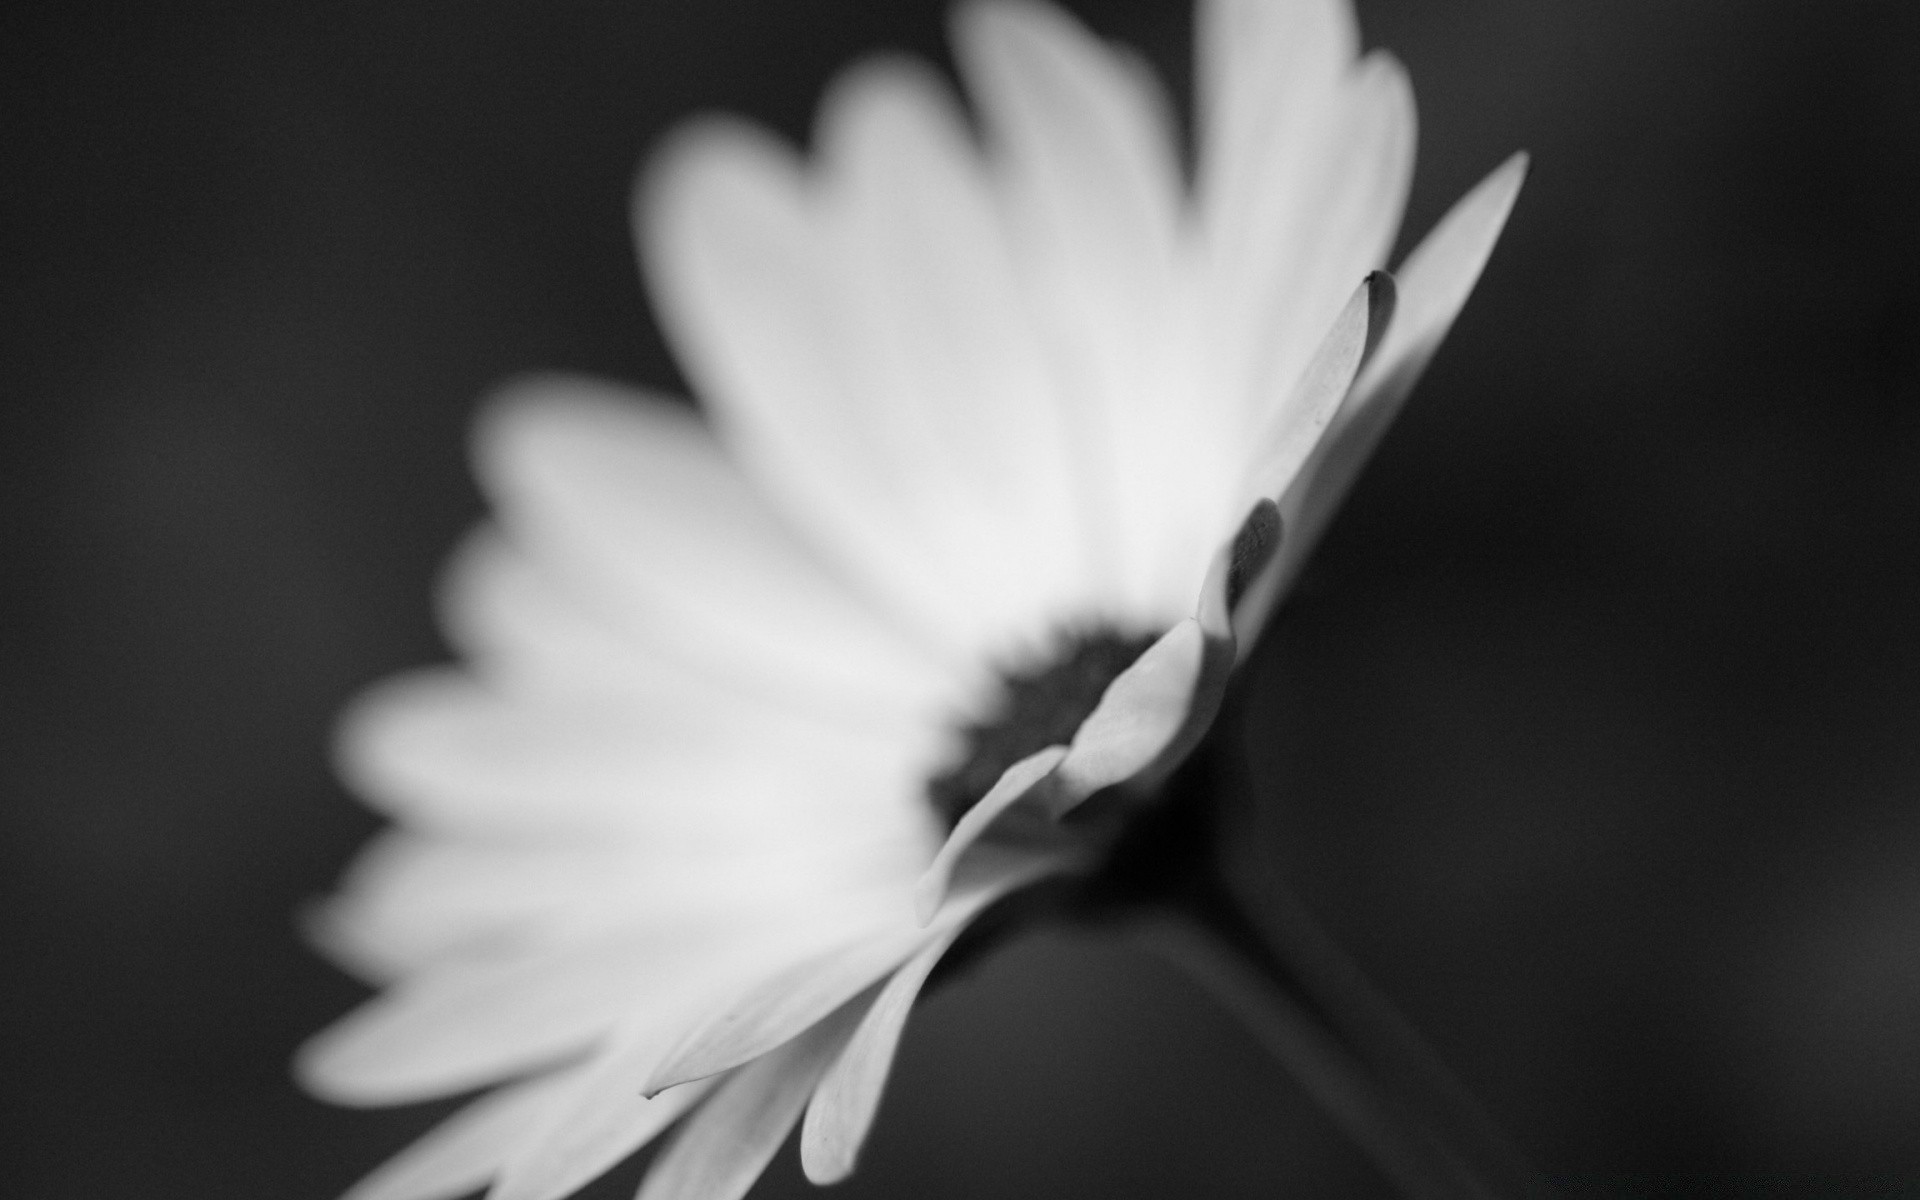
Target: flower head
(1012,444)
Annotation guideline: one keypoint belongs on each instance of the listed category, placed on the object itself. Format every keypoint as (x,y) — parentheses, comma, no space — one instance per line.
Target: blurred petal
(443,751)
(462,1024)
(634,497)
(862,343)
(462,1153)
(1082,141)
(1271,84)
(1334,222)
(960,377)
(410,901)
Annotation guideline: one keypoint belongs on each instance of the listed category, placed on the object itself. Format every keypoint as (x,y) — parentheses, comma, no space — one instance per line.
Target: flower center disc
(1039,706)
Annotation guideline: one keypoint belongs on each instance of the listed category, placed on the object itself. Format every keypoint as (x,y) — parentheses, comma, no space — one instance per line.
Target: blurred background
(1592,732)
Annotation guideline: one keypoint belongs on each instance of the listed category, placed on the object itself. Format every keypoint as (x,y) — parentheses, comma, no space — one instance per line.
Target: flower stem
(1230,966)
(1381,1037)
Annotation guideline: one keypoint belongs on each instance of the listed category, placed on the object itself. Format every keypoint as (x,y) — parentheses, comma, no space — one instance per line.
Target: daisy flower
(1014,435)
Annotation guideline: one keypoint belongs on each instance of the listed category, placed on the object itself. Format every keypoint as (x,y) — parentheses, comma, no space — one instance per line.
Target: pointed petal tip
(1499,188)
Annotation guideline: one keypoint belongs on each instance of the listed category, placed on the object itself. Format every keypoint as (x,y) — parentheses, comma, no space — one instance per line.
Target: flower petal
(1081,139)
(1295,428)
(1272,89)
(1265,73)
(726,1144)
(848,1096)
(462,1024)
(1300,426)
(601,1121)
(861,339)
(1013,785)
(1349,200)
(634,498)
(462,1153)
(784,1003)
(1433,285)
(1149,715)
(410,902)
(445,752)
(946,339)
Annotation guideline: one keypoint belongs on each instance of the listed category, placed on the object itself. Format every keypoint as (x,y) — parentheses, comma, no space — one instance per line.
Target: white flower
(757,717)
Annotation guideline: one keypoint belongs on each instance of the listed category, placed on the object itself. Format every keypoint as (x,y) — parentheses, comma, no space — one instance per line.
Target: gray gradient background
(1592,731)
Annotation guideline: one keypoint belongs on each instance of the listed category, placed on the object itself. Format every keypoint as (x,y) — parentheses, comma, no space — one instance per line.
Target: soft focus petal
(848,1096)
(462,1153)
(863,348)
(958,369)
(1266,72)
(412,901)
(446,752)
(1331,222)
(462,1024)
(1272,83)
(1082,143)
(632,499)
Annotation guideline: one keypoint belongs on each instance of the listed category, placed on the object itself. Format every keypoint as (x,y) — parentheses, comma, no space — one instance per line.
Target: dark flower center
(1040,705)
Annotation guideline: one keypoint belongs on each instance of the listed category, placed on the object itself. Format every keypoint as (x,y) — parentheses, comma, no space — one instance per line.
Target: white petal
(463,1024)
(1142,714)
(949,344)
(410,902)
(848,1096)
(1082,144)
(442,750)
(1433,285)
(633,498)
(601,1121)
(1299,428)
(1439,275)
(459,1155)
(1013,785)
(726,1144)
(1327,221)
(766,282)
(1265,69)
(784,1003)
(517,623)
(1295,427)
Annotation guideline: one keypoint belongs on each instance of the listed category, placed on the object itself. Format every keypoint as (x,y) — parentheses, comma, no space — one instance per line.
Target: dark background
(1592,732)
